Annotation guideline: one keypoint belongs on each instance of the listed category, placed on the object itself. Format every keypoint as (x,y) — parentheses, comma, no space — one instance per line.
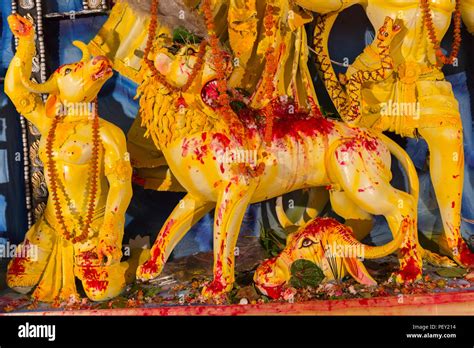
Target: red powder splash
(149,267)
(93,278)
(157,252)
(200,152)
(17,265)
(218,285)
(465,255)
(410,271)
(364,140)
(288,120)
(321,225)
(220,141)
(273,292)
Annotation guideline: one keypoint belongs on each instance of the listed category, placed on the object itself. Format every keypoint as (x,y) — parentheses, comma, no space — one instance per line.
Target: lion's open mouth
(210,94)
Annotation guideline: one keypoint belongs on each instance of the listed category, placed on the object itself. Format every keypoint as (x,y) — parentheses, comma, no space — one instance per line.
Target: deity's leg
(447,175)
(26,269)
(355,216)
(363,179)
(188,211)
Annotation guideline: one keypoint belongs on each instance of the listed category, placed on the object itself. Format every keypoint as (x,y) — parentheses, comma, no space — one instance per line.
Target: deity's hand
(109,251)
(20,26)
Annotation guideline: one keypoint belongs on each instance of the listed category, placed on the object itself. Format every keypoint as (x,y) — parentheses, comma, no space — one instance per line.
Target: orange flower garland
(155,73)
(271,67)
(219,62)
(93,179)
(428,21)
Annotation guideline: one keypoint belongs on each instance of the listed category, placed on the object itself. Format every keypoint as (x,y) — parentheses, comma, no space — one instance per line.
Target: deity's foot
(149,270)
(217,290)
(436,259)
(411,269)
(458,251)
(406,276)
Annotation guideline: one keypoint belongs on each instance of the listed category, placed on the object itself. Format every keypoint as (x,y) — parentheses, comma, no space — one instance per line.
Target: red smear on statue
(362,139)
(185,148)
(274,292)
(465,255)
(200,152)
(149,267)
(410,271)
(89,255)
(288,120)
(162,238)
(92,273)
(93,278)
(220,141)
(17,266)
(320,225)
(218,285)
(181,103)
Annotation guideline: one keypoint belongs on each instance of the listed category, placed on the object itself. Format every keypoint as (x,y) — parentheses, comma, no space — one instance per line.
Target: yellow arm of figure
(327,6)
(467,11)
(119,173)
(28,104)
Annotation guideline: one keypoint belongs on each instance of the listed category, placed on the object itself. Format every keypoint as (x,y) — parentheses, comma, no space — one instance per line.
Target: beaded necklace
(54,179)
(428,22)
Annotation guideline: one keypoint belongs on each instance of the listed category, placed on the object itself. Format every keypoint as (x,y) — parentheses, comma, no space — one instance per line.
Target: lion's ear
(52,106)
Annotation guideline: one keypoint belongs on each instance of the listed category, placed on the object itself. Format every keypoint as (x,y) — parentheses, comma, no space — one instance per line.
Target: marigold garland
(428,21)
(271,66)
(219,63)
(155,73)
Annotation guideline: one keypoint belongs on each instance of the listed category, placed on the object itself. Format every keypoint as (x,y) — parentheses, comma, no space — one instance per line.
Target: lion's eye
(306,243)
(67,71)
(191,51)
(385,34)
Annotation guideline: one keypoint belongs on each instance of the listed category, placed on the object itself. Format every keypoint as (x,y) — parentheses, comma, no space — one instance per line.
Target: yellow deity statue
(88,174)
(417,80)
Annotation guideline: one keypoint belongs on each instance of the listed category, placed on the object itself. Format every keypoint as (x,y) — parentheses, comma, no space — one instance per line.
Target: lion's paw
(149,270)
